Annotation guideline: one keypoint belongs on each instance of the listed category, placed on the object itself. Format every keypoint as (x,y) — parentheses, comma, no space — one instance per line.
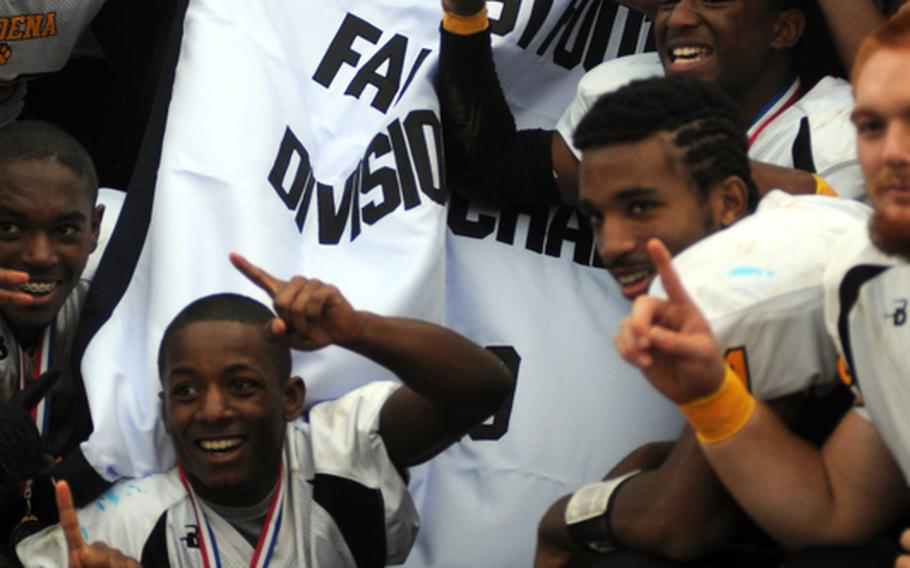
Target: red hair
(893,34)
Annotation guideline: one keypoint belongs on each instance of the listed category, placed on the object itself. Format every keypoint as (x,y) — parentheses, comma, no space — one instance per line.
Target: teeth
(220,445)
(628,279)
(689,52)
(38,287)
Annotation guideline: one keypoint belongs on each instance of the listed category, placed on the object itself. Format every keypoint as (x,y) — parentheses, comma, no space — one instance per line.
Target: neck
(753,98)
(27,338)
(245,494)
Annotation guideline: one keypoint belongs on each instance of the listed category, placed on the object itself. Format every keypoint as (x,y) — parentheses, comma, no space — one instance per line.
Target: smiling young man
(666,159)
(797,126)
(856,485)
(49,225)
(255,486)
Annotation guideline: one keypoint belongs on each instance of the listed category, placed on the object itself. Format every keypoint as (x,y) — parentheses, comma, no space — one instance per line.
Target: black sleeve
(485,156)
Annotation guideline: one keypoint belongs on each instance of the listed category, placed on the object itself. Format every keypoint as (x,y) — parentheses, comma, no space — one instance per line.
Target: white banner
(307,138)
(305,135)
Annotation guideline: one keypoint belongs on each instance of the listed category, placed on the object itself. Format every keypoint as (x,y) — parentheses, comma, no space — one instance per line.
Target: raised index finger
(69,522)
(256,275)
(660,256)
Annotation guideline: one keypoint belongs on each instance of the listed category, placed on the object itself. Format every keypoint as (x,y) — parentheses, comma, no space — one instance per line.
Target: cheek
(871,158)
(679,236)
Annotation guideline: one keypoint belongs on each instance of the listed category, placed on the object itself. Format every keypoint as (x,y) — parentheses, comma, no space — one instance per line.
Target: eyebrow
(180,371)
(864,110)
(635,192)
(587,209)
(72,216)
(240,367)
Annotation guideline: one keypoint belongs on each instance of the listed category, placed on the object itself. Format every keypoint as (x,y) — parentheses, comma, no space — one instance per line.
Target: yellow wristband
(722,414)
(822,187)
(465,25)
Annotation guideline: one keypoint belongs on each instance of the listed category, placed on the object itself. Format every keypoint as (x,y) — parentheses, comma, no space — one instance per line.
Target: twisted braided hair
(704,121)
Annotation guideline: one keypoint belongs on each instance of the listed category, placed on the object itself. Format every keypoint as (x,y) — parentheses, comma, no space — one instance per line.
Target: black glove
(21,454)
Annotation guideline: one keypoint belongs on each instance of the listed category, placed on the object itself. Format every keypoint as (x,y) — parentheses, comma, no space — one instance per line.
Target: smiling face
(638,191)
(48,228)
(725,42)
(882,118)
(225,407)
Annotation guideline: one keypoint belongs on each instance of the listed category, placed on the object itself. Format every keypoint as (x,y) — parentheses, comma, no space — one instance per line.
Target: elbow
(502,387)
(851,537)
(687,545)
(686,539)
(497,392)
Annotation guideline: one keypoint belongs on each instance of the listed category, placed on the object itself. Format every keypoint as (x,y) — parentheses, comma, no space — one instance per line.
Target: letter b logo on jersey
(899,316)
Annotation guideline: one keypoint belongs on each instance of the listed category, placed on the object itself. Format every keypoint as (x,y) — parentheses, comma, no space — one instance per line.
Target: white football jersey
(527,283)
(38,36)
(866,301)
(759,285)
(336,470)
(812,131)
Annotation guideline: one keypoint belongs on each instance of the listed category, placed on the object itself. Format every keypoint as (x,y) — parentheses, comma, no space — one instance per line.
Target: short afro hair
(227,307)
(704,121)
(36,140)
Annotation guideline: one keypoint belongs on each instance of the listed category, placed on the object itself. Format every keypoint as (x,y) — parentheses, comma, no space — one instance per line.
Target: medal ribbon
(42,361)
(784,100)
(268,536)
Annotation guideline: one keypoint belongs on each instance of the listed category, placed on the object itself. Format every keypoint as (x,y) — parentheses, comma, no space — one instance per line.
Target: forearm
(850,23)
(679,510)
(660,510)
(645,458)
(435,362)
(843,494)
(486,156)
(768,177)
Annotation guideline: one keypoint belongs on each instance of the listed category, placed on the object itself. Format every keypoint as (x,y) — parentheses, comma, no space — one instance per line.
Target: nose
(683,15)
(614,240)
(39,250)
(897,145)
(213,406)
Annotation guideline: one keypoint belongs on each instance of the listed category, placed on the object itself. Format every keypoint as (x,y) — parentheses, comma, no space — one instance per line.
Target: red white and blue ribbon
(268,536)
(784,100)
(42,360)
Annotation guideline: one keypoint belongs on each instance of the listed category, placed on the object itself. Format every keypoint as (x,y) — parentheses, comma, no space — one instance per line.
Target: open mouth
(220,446)
(683,56)
(635,283)
(39,288)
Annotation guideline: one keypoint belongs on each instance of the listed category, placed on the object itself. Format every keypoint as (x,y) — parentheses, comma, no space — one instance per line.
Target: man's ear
(162,409)
(294,396)
(789,26)
(97,216)
(731,201)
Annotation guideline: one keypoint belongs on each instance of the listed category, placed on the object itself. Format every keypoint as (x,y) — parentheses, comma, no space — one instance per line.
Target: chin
(29,320)
(891,233)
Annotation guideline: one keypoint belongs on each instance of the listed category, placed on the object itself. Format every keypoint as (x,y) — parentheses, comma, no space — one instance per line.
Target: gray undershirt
(247,520)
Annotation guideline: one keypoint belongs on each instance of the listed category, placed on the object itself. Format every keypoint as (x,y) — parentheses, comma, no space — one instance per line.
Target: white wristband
(591,503)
